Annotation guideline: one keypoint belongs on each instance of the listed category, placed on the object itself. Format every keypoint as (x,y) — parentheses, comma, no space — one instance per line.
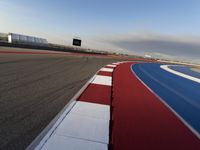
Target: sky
(162,28)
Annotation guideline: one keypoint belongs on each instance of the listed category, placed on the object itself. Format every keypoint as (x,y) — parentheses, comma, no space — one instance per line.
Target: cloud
(181,47)
(22,19)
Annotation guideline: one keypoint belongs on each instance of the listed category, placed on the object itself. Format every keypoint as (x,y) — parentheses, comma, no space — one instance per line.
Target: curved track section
(141,120)
(126,105)
(181,94)
(34,88)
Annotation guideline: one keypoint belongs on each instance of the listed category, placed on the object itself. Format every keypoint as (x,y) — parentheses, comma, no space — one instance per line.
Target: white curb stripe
(112,66)
(86,125)
(118,63)
(52,130)
(166,68)
(66,143)
(98,111)
(85,128)
(106,69)
(102,80)
(115,63)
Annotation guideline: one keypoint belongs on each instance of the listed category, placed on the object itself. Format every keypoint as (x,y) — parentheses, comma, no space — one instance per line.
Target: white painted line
(93,110)
(85,128)
(166,68)
(106,69)
(102,80)
(111,66)
(116,63)
(121,62)
(67,143)
(181,63)
(196,133)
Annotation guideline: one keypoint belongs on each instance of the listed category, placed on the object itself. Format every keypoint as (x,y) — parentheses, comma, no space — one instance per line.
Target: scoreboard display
(76,42)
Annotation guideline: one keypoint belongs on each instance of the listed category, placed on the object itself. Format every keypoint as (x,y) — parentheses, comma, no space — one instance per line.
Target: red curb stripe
(104,73)
(97,94)
(142,121)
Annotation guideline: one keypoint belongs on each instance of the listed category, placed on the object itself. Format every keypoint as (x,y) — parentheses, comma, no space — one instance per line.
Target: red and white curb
(116,113)
(85,123)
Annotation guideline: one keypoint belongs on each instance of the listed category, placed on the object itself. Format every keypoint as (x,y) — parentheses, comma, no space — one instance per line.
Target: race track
(130,105)
(126,105)
(34,88)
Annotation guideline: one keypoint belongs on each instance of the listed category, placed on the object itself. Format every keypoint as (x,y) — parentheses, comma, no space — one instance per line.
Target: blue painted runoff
(186,70)
(181,94)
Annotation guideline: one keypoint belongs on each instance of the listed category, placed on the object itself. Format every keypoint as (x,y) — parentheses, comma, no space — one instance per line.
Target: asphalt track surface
(34,88)
(139,118)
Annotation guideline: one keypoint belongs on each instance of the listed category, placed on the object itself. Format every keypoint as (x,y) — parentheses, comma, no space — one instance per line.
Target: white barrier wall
(17,38)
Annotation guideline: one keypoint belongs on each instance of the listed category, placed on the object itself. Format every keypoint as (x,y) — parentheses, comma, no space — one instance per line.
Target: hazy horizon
(168,29)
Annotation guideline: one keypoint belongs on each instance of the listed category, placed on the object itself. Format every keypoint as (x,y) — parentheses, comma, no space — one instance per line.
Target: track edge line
(169,107)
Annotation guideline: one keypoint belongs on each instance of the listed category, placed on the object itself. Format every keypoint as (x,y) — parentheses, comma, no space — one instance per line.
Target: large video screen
(77,42)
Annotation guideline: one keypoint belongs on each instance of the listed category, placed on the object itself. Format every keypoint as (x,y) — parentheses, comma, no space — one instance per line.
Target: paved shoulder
(141,120)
